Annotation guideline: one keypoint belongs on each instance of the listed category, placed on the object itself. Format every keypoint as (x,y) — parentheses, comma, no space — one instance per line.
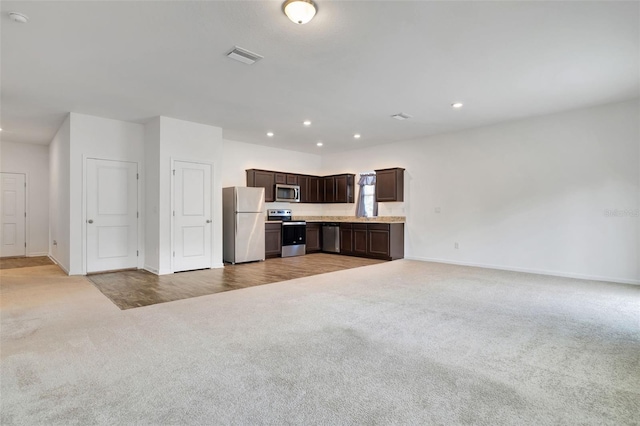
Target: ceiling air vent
(401,116)
(243,55)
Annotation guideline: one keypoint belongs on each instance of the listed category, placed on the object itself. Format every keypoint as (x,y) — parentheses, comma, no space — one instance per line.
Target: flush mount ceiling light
(356,136)
(299,11)
(306,123)
(18,17)
(457,105)
(270,134)
(319,144)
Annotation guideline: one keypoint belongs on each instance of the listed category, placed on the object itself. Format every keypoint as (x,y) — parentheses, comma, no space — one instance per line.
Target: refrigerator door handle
(237,223)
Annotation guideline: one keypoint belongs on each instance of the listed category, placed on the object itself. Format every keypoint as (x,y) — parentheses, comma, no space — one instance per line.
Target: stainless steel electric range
(294,233)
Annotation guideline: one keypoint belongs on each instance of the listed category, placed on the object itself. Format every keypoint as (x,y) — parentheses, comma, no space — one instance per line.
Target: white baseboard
(150,269)
(38,254)
(54,260)
(166,272)
(528,270)
(156,271)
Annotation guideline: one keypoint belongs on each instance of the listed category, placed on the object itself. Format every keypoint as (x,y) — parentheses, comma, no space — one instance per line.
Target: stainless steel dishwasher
(331,237)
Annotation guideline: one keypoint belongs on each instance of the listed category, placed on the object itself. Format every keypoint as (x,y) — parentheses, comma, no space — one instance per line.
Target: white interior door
(13,208)
(112,215)
(192,216)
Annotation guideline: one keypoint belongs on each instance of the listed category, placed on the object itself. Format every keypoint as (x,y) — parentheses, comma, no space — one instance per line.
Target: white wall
(96,137)
(152,195)
(187,141)
(527,195)
(32,160)
(240,156)
(59,195)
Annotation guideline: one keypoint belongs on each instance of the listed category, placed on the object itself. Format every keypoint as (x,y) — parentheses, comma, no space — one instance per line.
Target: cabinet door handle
(90,221)
(208,220)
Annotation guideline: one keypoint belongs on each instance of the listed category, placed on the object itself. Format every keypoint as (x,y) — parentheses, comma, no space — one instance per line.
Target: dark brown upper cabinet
(390,184)
(338,188)
(344,188)
(309,189)
(313,189)
(262,179)
(329,189)
(292,179)
(280,178)
(303,181)
(316,190)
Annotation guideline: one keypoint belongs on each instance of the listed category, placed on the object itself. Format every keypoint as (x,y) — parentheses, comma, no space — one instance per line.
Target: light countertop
(347,219)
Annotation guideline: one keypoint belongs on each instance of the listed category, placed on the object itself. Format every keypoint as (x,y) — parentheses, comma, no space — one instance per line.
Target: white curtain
(366,198)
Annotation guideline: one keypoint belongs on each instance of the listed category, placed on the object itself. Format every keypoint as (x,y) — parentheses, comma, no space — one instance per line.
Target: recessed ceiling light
(0,129)
(20,18)
(319,144)
(357,136)
(306,123)
(270,134)
(457,105)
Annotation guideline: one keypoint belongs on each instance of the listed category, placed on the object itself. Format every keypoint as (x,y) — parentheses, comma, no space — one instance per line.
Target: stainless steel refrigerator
(243,224)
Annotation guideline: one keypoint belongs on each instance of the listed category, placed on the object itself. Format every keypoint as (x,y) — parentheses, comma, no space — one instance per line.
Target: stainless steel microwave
(288,193)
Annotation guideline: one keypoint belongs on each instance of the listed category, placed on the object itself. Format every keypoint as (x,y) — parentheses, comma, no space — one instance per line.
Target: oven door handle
(293,223)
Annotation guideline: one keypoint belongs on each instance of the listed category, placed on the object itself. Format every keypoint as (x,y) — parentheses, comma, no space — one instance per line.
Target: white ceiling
(355,64)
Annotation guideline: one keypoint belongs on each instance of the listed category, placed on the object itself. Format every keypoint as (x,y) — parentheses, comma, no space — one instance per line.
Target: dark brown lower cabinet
(314,237)
(360,239)
(386,240)
(272,240)
(346,238)
(378,240)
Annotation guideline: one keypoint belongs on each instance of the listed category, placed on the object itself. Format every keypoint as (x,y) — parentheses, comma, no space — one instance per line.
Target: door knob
(90,221)
(208,220)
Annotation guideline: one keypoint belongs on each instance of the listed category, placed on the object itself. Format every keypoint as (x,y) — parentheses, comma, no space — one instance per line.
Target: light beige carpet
(402,342)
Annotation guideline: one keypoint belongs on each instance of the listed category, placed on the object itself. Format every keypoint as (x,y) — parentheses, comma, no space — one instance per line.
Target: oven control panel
(279,214)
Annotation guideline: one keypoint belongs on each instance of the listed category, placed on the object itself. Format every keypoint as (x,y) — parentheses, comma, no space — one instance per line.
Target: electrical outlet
(437,209)
(455,246)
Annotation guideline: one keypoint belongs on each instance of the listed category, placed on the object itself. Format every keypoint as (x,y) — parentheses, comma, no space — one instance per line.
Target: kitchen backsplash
(304,209)
(384,209)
